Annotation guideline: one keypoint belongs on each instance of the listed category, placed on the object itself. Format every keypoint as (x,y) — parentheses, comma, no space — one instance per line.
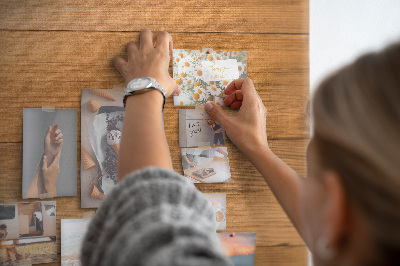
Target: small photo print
(239,247)
(204,77)
(72,233)
(198,128)
(102,115)
(28,233)
(218,201)
(49,153)
(206,165)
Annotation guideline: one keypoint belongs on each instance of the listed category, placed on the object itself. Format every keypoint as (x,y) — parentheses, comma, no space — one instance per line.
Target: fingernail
(209,106)
(179,90)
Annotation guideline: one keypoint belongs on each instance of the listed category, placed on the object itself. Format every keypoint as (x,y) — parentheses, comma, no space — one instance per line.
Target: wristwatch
(142,85)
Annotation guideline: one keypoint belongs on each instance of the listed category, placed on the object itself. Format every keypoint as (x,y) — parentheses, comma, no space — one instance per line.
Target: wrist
(146,100)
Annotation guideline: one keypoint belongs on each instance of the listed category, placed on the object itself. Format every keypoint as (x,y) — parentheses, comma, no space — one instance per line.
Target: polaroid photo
(49,153)
(72,233)
(218,201)
(198,128)
(102,115)
(204,77)
(209,165)
(240,247)
(28,233)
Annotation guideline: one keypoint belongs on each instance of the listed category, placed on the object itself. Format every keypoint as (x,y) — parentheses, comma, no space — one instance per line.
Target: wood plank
(175,16)
(251,206)
(51,68)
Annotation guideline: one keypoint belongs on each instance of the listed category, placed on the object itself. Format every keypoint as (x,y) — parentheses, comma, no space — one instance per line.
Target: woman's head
(3,226)
(356,114)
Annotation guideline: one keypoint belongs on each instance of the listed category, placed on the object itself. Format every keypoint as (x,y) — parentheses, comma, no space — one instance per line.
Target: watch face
(140,83)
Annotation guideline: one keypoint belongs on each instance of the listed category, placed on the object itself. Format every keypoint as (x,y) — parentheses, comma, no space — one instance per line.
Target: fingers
(131,48)
(59,136)
(216,112)
(235,99)
(119,63)
(44,163)
(245,85)
(146,40)
(56,126)
(60,142)
(164,41)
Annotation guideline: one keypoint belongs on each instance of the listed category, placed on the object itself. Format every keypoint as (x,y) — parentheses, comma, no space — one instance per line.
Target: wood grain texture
(50,50)
(51,68)
(257,16)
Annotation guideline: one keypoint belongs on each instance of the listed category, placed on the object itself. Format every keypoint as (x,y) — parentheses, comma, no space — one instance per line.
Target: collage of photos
(218,201)
(198,128)
(72,233)
(49,153)
(102,114)
(239,247)
(204,77)
(28,233)
(209,165)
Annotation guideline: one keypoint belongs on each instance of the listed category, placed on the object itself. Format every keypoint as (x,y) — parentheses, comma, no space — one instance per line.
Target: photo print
(198,128)
(204,76)
(102,114)
(72,233)
(218,201)
(240,248)
(210,165)
(49,153)
(28,233)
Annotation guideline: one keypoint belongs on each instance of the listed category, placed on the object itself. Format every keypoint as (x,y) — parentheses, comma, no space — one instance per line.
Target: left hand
(148,59)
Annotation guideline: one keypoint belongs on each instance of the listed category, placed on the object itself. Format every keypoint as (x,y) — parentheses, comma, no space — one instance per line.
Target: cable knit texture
(153,217)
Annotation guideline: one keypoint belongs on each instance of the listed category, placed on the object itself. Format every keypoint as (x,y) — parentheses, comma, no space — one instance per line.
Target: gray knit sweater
(153,217)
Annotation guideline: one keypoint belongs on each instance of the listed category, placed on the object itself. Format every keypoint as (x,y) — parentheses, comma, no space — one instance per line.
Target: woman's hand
(53,142)
(246,129)
(148,59)
(50,174)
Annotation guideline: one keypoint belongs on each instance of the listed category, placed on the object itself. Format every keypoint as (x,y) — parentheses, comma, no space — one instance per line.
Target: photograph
(239,247)
(102,115)
(28,233)
(72,233)
(218,201)
(198,128)
(204,76)
(206,165)
(49,166)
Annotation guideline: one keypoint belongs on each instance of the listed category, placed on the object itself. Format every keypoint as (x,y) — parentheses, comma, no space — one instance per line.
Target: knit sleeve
(153,217)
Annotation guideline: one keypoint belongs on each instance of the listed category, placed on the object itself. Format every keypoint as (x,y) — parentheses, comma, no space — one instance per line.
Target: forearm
(143,141)
(283,181)
(33,191)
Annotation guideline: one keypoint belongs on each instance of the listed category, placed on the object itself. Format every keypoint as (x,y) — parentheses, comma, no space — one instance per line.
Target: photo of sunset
(240,248)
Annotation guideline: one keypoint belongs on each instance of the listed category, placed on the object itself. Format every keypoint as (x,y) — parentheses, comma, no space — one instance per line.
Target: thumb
(217,112)
(44,163)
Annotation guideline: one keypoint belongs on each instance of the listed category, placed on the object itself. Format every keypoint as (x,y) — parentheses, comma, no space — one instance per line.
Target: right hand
(247,128)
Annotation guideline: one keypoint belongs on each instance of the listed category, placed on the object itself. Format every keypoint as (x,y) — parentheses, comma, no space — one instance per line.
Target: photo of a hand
(53,141)
(48,170)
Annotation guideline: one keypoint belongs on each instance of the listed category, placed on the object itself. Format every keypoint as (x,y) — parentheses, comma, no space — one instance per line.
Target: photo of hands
(49,153)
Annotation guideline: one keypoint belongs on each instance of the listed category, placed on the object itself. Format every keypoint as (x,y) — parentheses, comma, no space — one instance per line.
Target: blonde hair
(356,114)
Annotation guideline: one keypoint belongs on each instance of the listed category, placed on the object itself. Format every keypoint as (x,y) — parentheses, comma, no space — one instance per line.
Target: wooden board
(173,15)
(53,49)
(51,68)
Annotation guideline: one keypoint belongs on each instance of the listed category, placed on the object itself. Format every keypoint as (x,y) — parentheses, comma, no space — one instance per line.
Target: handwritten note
(219,70)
